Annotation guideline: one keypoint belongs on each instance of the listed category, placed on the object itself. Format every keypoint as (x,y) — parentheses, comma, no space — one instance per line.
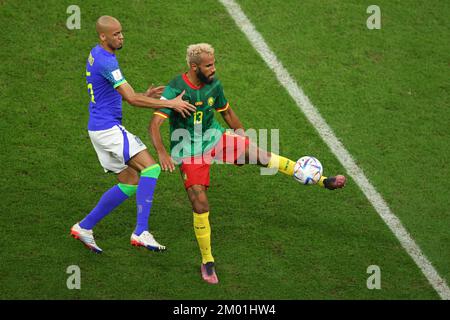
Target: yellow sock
(283,164)
(203,235)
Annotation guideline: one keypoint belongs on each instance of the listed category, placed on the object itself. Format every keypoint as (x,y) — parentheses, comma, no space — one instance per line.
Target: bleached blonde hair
(195,50)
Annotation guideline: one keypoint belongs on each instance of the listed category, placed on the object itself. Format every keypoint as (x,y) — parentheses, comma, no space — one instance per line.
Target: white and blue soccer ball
(308,170)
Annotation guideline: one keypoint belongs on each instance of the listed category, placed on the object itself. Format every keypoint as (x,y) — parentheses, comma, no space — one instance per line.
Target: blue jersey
(103,76)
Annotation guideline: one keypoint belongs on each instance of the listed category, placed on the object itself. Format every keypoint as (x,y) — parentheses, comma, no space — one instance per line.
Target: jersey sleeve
(221,103)
(168,94)
(110,71)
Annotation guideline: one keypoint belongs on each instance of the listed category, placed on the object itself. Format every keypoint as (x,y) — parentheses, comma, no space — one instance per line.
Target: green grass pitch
(385,93)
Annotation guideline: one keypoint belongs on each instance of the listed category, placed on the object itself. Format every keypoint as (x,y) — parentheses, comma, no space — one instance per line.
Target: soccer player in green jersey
(198,140)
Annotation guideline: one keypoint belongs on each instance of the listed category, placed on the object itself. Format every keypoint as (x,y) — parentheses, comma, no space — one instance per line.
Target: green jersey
(200,131)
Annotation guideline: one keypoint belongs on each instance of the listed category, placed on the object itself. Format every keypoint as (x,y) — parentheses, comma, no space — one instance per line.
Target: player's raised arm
(165,159)
(140,100)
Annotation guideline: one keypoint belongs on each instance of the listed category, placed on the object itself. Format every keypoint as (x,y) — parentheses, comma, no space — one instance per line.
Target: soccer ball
(308,170)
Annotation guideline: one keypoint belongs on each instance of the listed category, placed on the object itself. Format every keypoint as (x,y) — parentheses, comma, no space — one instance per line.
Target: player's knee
(200,204)
(199,199)
(128,176)
(133,180)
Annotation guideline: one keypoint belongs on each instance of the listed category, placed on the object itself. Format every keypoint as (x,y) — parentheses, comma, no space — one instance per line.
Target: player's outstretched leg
(107,203)
(286,166)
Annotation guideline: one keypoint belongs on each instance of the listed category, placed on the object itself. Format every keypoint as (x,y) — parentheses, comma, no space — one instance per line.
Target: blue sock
(144,196)
(110,200)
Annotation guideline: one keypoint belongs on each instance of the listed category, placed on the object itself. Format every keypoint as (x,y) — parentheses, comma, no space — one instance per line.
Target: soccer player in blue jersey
(118,150)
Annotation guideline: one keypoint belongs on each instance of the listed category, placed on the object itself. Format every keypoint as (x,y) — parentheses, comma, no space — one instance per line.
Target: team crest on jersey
(91,59)
(210,101)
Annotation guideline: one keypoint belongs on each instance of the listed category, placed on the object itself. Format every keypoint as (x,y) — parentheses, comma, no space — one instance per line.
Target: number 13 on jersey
(198,117)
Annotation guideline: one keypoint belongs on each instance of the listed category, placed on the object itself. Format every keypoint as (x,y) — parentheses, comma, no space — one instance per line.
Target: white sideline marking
(337,148)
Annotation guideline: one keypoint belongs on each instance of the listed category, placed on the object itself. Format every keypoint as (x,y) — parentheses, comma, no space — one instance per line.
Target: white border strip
(337,148)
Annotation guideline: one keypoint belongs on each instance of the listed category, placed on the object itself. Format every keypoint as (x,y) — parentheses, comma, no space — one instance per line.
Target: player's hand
(166,162)
(154,92)
(181,106)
